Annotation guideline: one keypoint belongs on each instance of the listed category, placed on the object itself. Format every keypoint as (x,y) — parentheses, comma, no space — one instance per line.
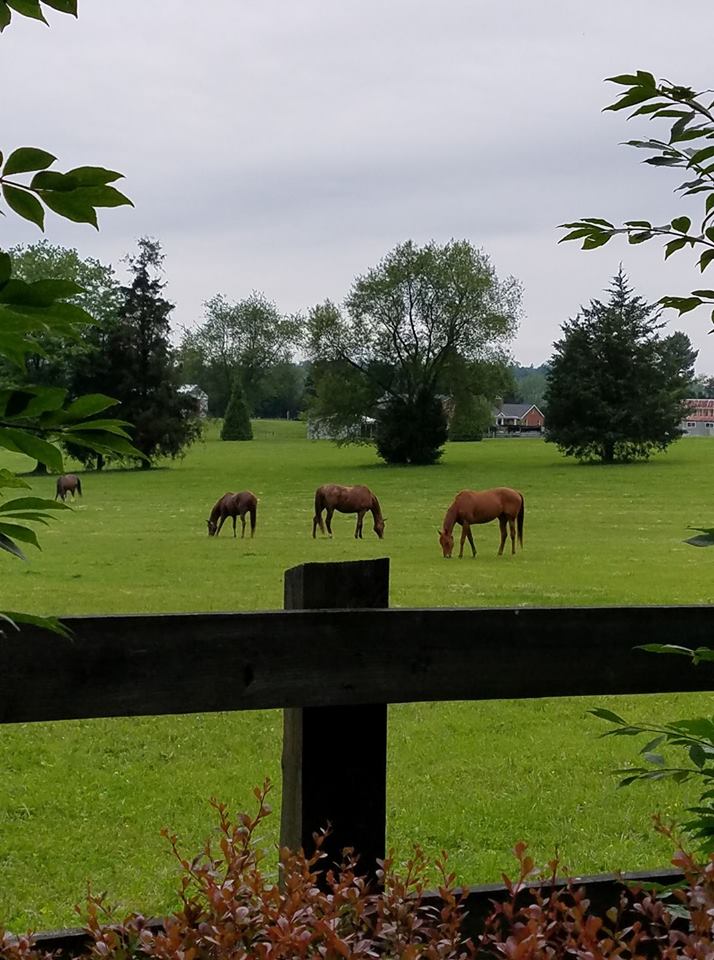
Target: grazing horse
(482,506)
(357,499)
(233,505)
(68,483)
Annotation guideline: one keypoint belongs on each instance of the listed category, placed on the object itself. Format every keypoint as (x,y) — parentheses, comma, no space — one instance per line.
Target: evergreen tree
(236,424)
(615,388)
(140,369)
(472,417)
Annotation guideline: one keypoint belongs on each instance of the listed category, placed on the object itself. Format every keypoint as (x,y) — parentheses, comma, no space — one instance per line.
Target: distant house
(200,396)
(517,418)
(699,421)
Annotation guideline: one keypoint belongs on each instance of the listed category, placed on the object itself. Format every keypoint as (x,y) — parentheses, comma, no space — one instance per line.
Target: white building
(699,421)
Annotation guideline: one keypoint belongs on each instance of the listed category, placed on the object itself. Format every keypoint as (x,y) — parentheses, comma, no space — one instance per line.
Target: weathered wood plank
(127,666)
(335,758)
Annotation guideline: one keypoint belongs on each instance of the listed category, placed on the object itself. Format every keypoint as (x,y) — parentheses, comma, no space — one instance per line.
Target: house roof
(517,410)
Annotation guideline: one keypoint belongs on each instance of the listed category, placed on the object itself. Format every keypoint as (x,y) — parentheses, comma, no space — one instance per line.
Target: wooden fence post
(335,758)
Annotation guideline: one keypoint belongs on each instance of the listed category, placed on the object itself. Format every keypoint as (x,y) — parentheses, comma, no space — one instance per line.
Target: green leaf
(44,623)
(53,180)
(108,426)
(5,267)
(655,758)
(11,547)
(664,648)
(653,744)
(606,715)
(17,532)
(64,6)
(24,204)
(627,79)
(28,8)
(703,293)
(27,160)
(31,402)
(590,243)
(673,246)
(681,224)
(705,259)
(5,17)
(701,155)
(640,237)
(31,503)
(8,479)
(22,442)
(89,405)
(632,98)
(682,304)
(697,755)
(71,206)
(94,176)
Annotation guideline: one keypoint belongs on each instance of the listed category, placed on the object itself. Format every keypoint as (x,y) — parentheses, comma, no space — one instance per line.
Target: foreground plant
(230,908)
(689,146)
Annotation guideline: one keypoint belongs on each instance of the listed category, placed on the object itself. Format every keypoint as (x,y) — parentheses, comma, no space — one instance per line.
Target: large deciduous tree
(615,388)
(408,324)
(140,367)
(248,338)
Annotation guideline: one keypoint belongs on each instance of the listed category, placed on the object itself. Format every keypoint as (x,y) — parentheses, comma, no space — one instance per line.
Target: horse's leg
(315,521)
(242,528)
(464,528)
(502,522)
(358,528)
(469,536)
(220,524)
(512,527)
(328,520)
(234,517)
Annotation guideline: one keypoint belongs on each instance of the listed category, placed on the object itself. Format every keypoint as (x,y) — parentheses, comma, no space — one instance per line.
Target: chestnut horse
(482,506)
(233,505)
(357,499)
(68,483)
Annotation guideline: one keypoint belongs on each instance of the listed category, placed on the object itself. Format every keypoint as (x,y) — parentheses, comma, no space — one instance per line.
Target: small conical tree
(236,423)
(471,418)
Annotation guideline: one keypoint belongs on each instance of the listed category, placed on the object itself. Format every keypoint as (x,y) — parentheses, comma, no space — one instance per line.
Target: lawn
(86,800)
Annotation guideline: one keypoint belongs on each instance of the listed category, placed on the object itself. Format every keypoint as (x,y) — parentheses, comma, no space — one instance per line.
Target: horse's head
(211,528)
(379,526)
(447,543)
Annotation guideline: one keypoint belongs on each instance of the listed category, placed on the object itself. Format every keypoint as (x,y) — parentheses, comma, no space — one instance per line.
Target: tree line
(417,353)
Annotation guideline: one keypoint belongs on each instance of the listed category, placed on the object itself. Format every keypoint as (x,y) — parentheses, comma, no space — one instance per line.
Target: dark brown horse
(233,505)
(482,506)
(357,499)
(68,483)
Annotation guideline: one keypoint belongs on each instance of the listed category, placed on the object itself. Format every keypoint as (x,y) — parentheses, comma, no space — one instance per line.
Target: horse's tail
(253,510)
(79,486)
(58,488)
(521,515)
(319,507)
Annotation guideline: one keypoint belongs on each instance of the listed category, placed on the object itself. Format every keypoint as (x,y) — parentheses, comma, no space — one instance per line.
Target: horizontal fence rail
(195,663)
(334,660)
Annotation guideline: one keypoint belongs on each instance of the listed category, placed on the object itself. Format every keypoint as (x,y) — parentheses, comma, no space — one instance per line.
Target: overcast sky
(286,145)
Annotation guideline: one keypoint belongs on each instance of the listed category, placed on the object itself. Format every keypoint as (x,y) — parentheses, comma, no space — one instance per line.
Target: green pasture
(86,800)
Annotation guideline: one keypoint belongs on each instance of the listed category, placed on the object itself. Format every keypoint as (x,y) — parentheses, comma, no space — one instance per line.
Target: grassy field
(87,799)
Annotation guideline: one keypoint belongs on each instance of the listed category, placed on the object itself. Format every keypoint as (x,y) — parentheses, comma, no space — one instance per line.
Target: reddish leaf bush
(230,910)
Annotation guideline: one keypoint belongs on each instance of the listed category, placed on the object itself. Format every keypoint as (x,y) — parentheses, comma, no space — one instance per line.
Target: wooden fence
(334,659)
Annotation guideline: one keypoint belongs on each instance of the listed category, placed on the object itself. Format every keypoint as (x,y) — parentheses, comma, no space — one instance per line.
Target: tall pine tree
(141,370)
(615,388)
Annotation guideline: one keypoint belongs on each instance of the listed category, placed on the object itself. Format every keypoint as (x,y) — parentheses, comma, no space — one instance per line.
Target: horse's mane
(450,518)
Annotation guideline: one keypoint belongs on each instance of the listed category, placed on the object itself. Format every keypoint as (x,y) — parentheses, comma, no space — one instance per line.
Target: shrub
(236,423)
(230,910)
(411,431)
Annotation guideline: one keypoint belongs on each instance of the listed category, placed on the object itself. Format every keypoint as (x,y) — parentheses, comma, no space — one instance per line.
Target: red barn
(518,418)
